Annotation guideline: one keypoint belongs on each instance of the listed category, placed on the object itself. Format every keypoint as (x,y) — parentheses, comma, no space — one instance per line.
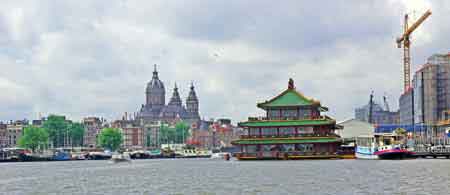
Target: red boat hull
(394,154)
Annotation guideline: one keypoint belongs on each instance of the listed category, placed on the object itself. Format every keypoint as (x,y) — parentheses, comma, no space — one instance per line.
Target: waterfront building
(380,115)
(14,131)
(155,108)
(153,134)
(92,126)
(429,95)
(3,131)
(202,136)
(134,136)
(406,107)
(293,128)
(432,90)
(443,130)
(353,128)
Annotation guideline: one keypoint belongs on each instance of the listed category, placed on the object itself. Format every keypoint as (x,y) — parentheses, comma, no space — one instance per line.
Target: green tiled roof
(285,141)
(273,123)
(289,97)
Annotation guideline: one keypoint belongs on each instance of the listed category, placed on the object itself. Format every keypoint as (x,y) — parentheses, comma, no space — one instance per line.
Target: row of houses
(208,134)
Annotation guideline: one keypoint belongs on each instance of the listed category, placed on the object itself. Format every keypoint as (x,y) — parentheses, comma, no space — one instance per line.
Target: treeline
(171,134)
(55,132)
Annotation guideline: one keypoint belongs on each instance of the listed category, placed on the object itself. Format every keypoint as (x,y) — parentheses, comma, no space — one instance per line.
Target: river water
(204,177)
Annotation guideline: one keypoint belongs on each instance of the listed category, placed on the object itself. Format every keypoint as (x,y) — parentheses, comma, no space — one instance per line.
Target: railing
(263,118)
(281,155)
(289,136)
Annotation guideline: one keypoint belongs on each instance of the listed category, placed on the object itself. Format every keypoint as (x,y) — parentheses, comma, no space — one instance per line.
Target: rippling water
(204,176)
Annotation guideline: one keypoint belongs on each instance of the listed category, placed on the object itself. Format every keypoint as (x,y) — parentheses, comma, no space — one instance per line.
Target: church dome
(155,92)
(155,85)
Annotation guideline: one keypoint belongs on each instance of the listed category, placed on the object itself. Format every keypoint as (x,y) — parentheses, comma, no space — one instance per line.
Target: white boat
(192,153)
(382,146)
(366,147)
(124,157)
(220,155)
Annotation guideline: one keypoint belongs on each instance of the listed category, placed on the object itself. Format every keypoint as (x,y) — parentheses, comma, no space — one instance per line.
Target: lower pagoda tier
(292,129)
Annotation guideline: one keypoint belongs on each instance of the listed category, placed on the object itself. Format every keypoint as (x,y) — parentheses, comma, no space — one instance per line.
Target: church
(155,108)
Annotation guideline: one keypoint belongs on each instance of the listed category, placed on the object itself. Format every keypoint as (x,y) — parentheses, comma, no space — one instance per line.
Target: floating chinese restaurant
(293,128)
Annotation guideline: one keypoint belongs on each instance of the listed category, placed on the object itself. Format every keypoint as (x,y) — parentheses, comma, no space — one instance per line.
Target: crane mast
(405,39)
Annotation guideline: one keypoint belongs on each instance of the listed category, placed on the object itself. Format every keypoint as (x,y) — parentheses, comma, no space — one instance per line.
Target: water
(204,176)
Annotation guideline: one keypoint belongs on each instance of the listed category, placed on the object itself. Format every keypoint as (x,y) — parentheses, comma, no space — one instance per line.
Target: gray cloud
(94,58)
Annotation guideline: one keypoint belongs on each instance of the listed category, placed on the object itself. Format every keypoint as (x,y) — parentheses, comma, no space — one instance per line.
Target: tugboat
(382,146)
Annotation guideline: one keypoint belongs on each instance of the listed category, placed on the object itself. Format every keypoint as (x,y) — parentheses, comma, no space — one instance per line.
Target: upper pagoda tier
(291,98)
(292,105)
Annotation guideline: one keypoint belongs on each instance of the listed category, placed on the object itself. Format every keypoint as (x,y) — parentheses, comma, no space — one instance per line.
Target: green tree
(76,133)
(167,134)
(34,138)
(57,128)
(182,132)
(110,138)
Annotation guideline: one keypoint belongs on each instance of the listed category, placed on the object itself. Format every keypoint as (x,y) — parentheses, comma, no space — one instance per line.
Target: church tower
(155,92)
(175,100)
(192,103)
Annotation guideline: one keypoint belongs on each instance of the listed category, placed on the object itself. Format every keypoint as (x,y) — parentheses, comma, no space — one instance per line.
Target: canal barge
(293,128)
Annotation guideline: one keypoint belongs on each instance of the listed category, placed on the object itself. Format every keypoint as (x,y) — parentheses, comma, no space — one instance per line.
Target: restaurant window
(287,130)
(274,113)
(254,131)
(305,113)
(269,148)
(287,147)
(250,148)
(289,113)
(305,130)
(269,131)
(305,147)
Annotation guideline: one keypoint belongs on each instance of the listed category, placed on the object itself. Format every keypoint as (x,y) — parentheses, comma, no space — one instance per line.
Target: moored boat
(365,147)
(124,157)
(98,156)
(346,152)
(27,157)
(140,154)
(393,152)
(382,146)
(61,155)
(220,156)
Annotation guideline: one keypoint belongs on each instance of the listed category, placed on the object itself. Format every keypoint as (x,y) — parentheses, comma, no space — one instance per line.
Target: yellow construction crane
(406,44)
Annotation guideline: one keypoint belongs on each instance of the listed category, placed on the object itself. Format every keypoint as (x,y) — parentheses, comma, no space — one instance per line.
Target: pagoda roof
(285,123)
(286,141)
(290,98)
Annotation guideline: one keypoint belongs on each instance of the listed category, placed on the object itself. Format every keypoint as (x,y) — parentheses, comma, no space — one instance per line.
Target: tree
(34,138)
(110,138)
(167,134)
(182,131)
(76,133)
(57,128)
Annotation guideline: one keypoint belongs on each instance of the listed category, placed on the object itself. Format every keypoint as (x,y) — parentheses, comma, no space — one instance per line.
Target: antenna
(386,104)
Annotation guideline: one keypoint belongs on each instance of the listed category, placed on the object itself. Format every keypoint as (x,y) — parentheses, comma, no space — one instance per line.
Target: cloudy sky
(94,58)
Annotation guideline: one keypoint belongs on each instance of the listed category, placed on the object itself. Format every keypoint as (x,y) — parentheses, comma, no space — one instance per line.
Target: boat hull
(365,153)
(366,156)
(393,154)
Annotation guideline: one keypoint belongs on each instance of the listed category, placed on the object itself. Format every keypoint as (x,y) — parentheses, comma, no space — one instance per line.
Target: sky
(94,58)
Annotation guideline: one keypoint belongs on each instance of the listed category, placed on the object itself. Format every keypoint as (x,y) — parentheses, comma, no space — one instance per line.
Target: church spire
(155,72)
(175,100)
(192,102)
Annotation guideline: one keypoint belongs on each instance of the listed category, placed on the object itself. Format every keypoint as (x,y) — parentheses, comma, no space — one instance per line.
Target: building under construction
(429,94)
(375,113)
